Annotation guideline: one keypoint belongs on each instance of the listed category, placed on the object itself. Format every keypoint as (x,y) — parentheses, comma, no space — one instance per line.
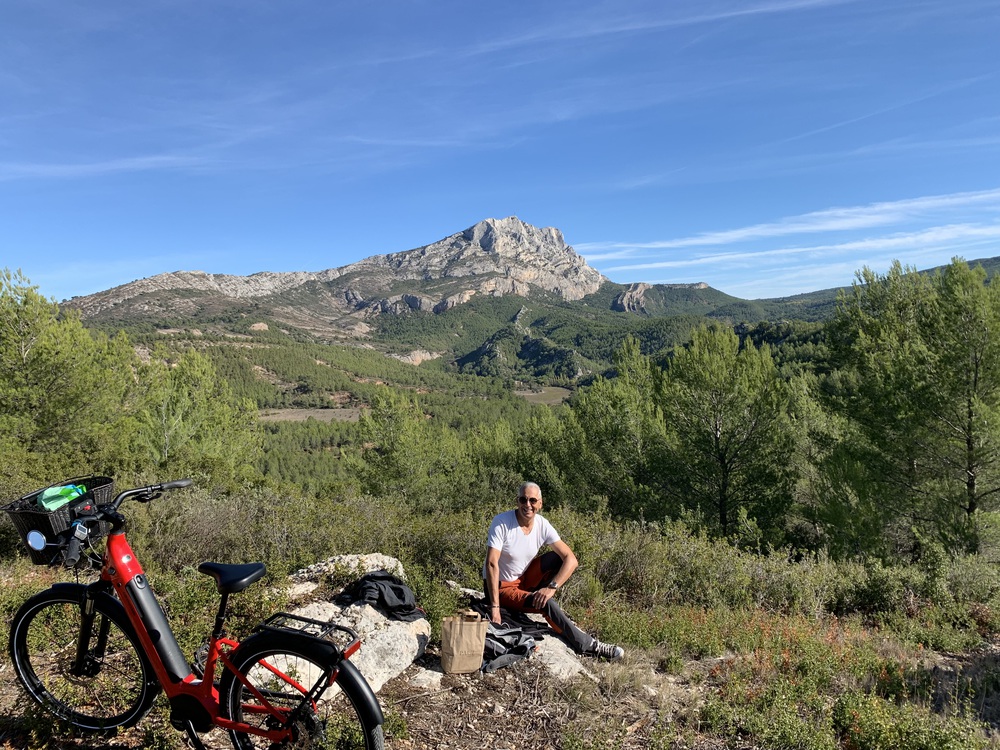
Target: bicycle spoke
(294,684)
(112,688)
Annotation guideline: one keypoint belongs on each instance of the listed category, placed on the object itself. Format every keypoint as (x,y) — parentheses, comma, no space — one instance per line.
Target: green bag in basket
(56,497)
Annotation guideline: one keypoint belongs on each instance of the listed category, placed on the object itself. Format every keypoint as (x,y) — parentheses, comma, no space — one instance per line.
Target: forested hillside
(806,478)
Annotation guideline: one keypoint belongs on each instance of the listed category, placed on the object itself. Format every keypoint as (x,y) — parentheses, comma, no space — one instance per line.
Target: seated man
(516,579)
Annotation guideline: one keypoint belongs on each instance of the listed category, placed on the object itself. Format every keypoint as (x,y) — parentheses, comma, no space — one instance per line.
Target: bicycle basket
(27,515)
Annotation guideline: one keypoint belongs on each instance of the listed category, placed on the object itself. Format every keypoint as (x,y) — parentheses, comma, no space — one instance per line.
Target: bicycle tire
(340,719)
(118,687)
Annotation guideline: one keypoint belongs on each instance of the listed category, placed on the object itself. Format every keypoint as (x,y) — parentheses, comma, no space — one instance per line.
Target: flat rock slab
(557,657)
(560,660)
(429,679)
(357,565)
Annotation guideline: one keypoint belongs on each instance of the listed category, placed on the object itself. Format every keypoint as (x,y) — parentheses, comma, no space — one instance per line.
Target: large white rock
(388,646)
(560,660)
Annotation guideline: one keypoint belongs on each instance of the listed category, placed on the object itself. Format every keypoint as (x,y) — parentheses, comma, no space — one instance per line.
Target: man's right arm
(493,583)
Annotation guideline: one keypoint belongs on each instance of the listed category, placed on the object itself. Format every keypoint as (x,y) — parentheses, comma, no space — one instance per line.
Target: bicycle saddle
(231,579)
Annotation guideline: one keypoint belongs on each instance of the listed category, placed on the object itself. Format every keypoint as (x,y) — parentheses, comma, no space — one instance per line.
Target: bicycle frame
(197,698)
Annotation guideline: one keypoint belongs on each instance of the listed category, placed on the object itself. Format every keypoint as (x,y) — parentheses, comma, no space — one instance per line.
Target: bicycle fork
(88,662)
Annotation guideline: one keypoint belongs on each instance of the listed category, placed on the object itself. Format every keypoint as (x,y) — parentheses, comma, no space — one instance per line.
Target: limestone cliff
(494,257)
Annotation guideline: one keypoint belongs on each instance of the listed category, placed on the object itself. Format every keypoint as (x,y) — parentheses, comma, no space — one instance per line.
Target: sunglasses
(532,500)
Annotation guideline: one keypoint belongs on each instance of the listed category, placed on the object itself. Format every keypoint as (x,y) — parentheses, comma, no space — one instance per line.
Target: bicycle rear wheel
(110,686)
(282,671)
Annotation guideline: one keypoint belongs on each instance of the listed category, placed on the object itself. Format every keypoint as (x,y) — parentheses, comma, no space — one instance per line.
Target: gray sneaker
(608,651)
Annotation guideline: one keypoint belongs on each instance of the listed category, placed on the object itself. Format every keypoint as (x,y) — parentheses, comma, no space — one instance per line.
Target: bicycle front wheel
(87,670)
(281,673)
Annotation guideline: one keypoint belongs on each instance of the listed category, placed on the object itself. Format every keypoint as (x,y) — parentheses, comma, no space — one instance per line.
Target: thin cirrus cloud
(895,106)
(933,237)
(821,249)
(602,27)
(884,214)
(41,170)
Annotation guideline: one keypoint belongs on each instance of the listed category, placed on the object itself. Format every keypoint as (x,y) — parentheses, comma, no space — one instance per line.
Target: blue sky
(765,147)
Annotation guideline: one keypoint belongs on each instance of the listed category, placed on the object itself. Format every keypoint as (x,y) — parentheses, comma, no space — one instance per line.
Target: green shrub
(867,722)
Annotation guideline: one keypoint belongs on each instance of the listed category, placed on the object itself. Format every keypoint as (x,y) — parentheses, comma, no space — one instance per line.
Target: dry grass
(547,395)
(632,704)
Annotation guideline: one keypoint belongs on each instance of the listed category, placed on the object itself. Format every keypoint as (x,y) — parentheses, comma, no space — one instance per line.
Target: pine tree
(925,356)
(729,443)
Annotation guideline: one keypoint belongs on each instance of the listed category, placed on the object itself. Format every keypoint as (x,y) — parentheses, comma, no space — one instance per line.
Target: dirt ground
(521,706)
(626,705)
(548,395)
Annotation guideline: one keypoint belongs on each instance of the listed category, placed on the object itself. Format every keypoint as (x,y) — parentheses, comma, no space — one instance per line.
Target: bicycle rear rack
(283,622)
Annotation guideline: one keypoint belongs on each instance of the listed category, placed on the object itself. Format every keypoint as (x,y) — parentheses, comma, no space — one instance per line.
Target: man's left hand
(541,597)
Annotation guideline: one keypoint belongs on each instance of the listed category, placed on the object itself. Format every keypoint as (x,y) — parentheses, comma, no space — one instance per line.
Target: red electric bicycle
(98,655)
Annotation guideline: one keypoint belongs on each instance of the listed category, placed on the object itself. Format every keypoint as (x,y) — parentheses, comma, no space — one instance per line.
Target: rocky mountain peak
(508,236)
(494,257)
(504,256)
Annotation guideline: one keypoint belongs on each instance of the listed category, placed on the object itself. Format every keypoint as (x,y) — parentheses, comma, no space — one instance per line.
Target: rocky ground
(626,705)
(552,700)
(522,706)
(622,705)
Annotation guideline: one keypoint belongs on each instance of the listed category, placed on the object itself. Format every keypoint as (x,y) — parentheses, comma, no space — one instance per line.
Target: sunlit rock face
(632,299)
(511,256)
(495,257)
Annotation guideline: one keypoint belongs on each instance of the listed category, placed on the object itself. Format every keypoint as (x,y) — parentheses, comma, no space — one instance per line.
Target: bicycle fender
(81,593)
(349,675)
(368,704)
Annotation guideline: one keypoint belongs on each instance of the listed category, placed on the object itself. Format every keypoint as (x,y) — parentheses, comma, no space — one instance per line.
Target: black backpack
(386,593)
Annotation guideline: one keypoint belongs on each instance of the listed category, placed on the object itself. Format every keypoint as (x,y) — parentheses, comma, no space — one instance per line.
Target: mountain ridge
(493,258)
(504,256)
(501,298)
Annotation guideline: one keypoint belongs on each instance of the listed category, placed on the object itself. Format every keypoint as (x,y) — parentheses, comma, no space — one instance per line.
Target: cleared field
(549,395)
(349,414)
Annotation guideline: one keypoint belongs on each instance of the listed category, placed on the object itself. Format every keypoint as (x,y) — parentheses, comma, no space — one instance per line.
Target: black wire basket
(27,515)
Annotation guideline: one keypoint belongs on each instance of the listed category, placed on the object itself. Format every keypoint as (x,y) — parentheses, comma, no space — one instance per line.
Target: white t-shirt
(517,549)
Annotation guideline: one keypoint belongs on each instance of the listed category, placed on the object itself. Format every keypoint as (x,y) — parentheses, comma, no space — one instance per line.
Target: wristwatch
(552,585)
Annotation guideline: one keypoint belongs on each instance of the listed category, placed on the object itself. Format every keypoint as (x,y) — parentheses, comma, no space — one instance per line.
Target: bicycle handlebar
(176,484)
(145,494)
(109,512)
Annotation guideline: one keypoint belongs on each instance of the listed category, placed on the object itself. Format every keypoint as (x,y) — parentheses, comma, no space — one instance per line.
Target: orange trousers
(516,595)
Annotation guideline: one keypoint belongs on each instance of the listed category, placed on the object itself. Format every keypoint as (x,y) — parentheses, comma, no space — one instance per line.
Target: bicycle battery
(158,628)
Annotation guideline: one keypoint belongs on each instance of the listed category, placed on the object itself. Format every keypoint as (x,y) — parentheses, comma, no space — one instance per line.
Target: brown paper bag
(462,640)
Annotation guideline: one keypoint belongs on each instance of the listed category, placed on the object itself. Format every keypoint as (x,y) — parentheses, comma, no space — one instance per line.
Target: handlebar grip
(72,555)
(176,484)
